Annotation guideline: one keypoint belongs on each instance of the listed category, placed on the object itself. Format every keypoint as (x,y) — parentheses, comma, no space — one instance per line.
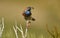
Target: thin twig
(15,29)
(24,34)
(50,32)
(53,35)
(56,31)
(2,23)
(21,30)
(1,27)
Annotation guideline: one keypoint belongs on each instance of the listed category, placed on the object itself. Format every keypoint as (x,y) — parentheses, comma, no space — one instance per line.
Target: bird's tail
(33,19)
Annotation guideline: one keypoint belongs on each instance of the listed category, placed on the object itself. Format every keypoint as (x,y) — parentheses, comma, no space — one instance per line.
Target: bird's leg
(28,23)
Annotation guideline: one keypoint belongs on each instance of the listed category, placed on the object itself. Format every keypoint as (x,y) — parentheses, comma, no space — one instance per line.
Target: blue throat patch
(27,12)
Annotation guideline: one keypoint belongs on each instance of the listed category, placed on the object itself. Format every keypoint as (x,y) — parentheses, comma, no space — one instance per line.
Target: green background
(45,12)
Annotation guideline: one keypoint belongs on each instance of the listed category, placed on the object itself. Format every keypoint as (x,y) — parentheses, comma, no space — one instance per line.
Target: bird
(27,14)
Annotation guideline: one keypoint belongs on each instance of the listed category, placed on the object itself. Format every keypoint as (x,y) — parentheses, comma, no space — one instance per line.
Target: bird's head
(29,8)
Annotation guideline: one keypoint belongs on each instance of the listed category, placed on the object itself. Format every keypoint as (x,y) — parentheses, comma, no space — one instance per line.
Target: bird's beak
(32,7)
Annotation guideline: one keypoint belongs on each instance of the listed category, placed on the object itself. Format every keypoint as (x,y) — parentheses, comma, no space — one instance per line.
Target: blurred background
(45,12)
